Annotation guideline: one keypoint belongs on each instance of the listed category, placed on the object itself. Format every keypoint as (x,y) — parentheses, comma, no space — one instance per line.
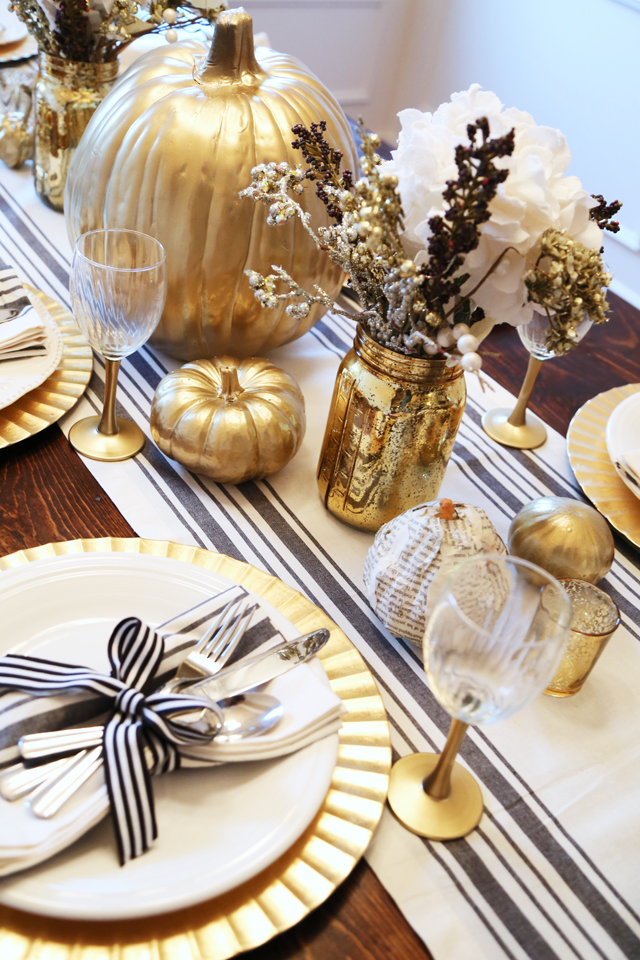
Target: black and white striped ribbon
(141,724)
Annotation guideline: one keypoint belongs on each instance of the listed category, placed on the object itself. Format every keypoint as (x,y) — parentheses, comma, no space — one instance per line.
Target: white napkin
(22,332)
(312,711)
(24,336)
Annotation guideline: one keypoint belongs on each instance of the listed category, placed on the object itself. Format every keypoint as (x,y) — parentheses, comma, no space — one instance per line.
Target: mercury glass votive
(595,619)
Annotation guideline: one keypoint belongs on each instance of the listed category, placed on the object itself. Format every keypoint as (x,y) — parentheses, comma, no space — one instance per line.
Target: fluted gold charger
(47,403)
(592,466)
(307,873)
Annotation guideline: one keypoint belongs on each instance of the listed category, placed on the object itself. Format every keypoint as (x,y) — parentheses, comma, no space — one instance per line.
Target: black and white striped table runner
(552,871)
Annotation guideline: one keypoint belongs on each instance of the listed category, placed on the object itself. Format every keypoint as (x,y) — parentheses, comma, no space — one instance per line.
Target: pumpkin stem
(230,388)
(231,58)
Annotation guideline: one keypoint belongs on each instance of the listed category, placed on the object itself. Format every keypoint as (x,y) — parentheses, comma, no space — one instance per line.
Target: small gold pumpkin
(565,537)
(231,420)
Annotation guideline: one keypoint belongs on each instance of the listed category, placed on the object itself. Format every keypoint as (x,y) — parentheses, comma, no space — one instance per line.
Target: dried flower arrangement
(436,261)
(95,31)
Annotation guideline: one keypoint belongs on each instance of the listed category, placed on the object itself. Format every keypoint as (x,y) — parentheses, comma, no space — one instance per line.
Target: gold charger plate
(43,406)
(592,466)
(307,873)
(19,50)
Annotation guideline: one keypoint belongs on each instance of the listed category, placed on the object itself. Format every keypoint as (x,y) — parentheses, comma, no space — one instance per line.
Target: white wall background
(572,64)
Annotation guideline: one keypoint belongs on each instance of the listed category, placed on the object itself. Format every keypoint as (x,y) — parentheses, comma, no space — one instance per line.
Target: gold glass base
(530,435)
(85,437)
(447,819)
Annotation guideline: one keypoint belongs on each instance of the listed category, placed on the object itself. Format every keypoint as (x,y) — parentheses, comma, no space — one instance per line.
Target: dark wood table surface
(47,494)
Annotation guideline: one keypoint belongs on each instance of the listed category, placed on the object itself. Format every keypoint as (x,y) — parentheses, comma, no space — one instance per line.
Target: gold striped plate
(592,465)
(307,873)
(43,406)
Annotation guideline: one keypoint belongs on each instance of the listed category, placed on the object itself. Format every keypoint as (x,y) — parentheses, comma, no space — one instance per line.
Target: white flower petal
(535,196)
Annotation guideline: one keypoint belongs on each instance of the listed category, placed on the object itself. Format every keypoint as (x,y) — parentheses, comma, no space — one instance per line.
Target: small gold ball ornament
(565,537)
(228,419)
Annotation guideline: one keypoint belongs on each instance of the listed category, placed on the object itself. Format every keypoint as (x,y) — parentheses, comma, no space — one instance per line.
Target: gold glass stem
(438,784)
(108,422)
(518,417)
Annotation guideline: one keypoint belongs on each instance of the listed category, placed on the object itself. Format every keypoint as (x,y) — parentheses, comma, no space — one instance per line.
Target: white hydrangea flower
(535,196)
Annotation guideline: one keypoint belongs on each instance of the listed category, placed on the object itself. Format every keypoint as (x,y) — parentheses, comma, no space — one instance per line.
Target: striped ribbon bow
(140,739)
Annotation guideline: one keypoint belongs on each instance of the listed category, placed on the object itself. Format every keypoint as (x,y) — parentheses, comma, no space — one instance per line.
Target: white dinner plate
(623,435)
(217,827)
(18,377)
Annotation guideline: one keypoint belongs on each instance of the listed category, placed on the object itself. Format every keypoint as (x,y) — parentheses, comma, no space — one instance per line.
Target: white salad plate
(623,436)
(18,377)
(217,827)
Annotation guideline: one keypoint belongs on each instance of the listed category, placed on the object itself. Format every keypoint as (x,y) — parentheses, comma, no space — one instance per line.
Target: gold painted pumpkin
(565,537)
(167,152)
(231,420)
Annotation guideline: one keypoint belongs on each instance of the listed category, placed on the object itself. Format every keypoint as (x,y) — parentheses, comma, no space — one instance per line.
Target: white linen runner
(552,871)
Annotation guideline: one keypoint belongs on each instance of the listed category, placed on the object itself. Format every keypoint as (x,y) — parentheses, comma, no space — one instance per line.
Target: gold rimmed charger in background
(47,403)
(303,877)
(592,466)
(16,43)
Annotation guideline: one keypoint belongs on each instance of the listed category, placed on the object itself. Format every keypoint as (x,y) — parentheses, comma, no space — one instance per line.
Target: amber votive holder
(595,619)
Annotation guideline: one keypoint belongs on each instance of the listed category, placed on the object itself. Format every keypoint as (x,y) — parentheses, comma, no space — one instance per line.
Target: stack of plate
(602,437)
(244,850)
(15,41)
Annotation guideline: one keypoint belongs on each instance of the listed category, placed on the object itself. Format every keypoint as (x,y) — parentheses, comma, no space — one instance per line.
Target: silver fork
(217,644)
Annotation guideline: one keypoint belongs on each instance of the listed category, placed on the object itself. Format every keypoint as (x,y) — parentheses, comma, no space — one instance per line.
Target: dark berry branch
(458,232)
(323,164)
(603,212)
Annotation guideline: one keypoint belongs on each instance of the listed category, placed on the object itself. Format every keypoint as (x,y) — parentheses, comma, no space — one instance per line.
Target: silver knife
(243,676)
(228,682)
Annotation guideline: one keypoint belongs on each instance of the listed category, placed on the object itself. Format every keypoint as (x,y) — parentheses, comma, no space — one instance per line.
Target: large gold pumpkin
(230,420)
(167,152)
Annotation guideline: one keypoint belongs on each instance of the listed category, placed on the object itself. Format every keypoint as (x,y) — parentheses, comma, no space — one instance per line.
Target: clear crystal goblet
(520,427)
(118,287)
(492,643)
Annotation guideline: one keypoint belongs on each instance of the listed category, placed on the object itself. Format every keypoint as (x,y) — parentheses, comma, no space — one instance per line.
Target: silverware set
(56,763)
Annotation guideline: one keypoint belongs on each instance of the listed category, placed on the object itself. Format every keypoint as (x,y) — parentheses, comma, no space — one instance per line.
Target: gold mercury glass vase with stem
(66,96)
(392,424)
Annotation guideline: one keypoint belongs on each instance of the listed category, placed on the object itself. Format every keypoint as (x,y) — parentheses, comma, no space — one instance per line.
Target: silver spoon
(246,715)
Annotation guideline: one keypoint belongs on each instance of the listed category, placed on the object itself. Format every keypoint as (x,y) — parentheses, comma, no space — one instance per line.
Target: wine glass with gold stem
(492,643)
(118,287)
(520,427)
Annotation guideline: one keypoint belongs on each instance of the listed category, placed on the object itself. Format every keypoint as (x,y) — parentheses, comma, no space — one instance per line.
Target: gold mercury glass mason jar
(392,425)
(65,98)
